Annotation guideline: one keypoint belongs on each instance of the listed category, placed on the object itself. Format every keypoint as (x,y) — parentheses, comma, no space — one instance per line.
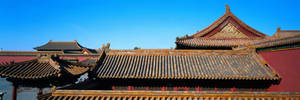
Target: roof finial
(227,8)
(278,29)
(108,45)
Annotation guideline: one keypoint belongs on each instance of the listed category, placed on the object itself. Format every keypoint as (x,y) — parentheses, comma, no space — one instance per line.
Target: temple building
(228,60)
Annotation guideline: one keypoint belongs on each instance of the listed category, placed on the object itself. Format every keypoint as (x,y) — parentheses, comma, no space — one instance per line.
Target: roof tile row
(184,66)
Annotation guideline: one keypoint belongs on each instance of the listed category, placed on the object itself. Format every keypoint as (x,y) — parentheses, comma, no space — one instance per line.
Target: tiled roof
(277,41)
(60,45)
(42,67)
(29,70)
(280,38)
(207,42)
(165,95)
(184,64)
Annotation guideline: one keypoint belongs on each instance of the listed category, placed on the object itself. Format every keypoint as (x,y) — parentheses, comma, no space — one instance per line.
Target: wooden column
(14,92)
(1,95)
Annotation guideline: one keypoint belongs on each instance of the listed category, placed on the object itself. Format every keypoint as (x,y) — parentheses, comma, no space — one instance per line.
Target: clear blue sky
(129,23)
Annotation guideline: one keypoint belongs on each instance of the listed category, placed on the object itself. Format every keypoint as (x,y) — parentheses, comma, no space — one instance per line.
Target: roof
(227,31)
(183,64)
(279,39)
(60,45)
(286,33)
(205,42)
(164,95)
(282,40)
(41,67)
(228,16)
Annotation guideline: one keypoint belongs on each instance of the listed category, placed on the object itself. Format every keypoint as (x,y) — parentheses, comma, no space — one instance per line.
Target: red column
(130,88)
(175,88)
(216,89)
(163,88)
(233,89)
(198,88)
(113,87)
(14,92)
(186,88)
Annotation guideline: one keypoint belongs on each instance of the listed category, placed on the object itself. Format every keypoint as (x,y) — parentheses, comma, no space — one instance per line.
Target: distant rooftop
(59,46)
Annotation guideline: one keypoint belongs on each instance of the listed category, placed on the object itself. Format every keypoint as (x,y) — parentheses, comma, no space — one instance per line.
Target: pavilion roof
(40,68)
(60,45)
(164,95)
(227,31)
(183,64)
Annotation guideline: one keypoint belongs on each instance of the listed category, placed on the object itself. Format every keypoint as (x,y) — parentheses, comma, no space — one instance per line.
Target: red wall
(287,64)
(8,59)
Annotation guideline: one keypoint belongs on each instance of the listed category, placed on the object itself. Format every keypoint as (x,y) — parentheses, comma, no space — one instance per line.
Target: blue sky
(128,23)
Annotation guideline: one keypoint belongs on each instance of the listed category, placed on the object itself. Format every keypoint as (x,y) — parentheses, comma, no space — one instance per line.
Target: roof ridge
(78,45)
(203,30)
(246,25)
(277,39)
(279,30)
(289,30)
